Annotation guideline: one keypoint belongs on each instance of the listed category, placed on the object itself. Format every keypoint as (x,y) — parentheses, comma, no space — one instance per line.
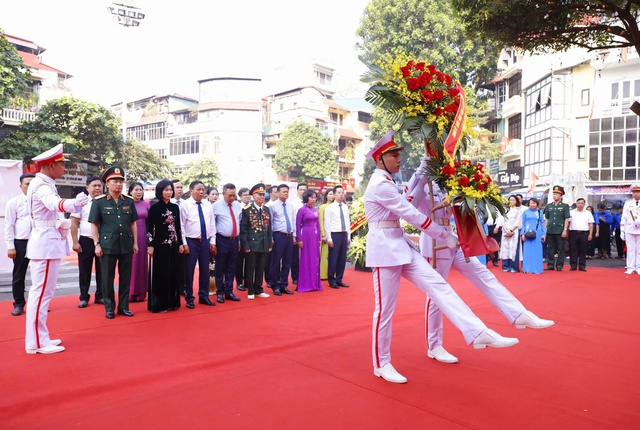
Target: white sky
(181,42)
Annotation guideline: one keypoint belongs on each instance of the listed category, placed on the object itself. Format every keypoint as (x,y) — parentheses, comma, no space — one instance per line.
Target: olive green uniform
(256,236)
(556,214)
(114,220)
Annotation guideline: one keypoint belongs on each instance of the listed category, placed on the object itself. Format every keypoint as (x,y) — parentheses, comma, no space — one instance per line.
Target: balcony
(16,117)
(512,107)
(512,149)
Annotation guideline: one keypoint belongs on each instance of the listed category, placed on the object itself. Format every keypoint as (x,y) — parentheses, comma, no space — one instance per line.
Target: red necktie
(233,219)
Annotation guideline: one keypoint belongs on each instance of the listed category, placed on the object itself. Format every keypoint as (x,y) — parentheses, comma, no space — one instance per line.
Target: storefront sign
(511,177)
(76,175)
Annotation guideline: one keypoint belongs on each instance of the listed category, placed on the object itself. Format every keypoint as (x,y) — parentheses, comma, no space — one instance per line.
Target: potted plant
(357,252)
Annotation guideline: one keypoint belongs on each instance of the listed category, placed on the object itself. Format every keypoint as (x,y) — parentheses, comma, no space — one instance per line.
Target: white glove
(81,200)
(450,239)
(622,235)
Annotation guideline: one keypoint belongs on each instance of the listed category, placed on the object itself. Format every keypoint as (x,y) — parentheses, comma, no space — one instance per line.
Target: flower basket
(471,236)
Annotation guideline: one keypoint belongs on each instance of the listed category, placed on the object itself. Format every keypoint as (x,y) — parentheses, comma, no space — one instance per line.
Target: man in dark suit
(113,217)
(256,240)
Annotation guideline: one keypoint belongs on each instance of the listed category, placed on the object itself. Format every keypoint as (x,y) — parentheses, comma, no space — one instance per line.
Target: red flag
(451,144)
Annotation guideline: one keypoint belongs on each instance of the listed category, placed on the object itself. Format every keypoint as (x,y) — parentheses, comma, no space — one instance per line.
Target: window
(538,102)
(585,97)
(613,147)
(582,152)
(323,78)
(146,132)
(515,85)
(184,145)
(162,154)
(501,93)
(537,153)
(515,127)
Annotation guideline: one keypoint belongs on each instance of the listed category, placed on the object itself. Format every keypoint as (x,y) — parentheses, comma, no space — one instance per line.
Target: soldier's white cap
(384,145)
(635,186)
(51,156)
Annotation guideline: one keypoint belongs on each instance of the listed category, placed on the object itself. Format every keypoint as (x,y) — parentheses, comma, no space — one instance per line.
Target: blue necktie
(203,226)
(286,217)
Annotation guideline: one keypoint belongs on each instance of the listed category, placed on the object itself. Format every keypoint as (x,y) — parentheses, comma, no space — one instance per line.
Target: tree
(205,170)
(90,133)
(14,76)
(554,25)
(304,150)
(428,29)
(143,164)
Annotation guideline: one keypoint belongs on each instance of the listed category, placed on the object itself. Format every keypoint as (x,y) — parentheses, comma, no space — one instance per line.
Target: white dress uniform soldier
(418,194)
(630,229)
(391,256)
(47,245)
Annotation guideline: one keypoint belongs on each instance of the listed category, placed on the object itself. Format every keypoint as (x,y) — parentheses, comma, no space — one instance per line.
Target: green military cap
(113,172)
(258,188)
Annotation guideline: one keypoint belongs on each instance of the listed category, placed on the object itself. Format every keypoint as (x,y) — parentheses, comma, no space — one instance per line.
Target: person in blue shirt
(617,215)
(605,220)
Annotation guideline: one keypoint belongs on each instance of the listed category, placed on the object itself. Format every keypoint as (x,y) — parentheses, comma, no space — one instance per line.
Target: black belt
(198,239)
(227,237)
(282,232)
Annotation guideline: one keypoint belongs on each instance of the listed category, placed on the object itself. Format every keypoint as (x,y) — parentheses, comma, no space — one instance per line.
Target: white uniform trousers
(386,282)
(44,275)
(633,251)
(479,276)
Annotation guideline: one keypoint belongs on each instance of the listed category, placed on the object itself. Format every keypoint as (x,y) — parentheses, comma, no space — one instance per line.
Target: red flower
(425,79)
(456,164)
(448,170)
(463,181)
(480,187)
(479,166)
(420,66)
(448,80)
(466,162)
(488,179)
(413,84)
(406,71)
(427,95)
(478,176)
(439,94)
(437,111)
(431,68)
(453,91)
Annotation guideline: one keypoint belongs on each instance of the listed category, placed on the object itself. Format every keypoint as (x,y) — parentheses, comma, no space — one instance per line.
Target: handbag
(532,234)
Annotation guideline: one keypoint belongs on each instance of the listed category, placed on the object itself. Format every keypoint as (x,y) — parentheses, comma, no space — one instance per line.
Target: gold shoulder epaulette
(247,206)
(101,196)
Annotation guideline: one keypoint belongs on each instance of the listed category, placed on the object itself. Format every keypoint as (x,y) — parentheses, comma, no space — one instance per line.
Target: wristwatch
(96,243)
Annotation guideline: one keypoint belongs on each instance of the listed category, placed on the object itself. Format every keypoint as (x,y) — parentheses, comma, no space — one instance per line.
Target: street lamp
(126,14)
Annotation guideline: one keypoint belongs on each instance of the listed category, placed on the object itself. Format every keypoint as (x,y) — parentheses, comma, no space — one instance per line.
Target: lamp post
(126,14)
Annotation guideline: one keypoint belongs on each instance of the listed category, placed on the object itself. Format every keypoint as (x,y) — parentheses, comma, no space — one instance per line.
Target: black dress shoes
(241,287)
(83,304)
(206,302)
(550,268)
(342,284)
(99,302)
(277,292)
(190,305)
(573,269)
(17,310)
(231,297)
(286,290)
(334,286)
(582,269)
(125,313)
(220,298)
(110,315)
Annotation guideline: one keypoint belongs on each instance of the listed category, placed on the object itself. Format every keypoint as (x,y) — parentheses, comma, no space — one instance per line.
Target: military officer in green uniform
(113,226)
(557,217)
(256,239)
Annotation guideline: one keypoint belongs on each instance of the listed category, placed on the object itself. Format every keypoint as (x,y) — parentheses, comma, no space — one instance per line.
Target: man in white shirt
(295,253)
(17,229)
(273,197)
(227,212)
(337,225)
(198,234)
(630,229)
(580,233)
(83,245)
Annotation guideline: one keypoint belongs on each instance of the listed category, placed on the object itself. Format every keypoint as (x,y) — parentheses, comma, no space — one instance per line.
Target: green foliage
(554,25)
(410,229)
(14,76)
(357,252)
(306,151)
(205,170)
(88,131)
(428,29)
(143,163)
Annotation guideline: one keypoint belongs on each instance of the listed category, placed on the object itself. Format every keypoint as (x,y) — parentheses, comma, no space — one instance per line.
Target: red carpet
(304,362)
